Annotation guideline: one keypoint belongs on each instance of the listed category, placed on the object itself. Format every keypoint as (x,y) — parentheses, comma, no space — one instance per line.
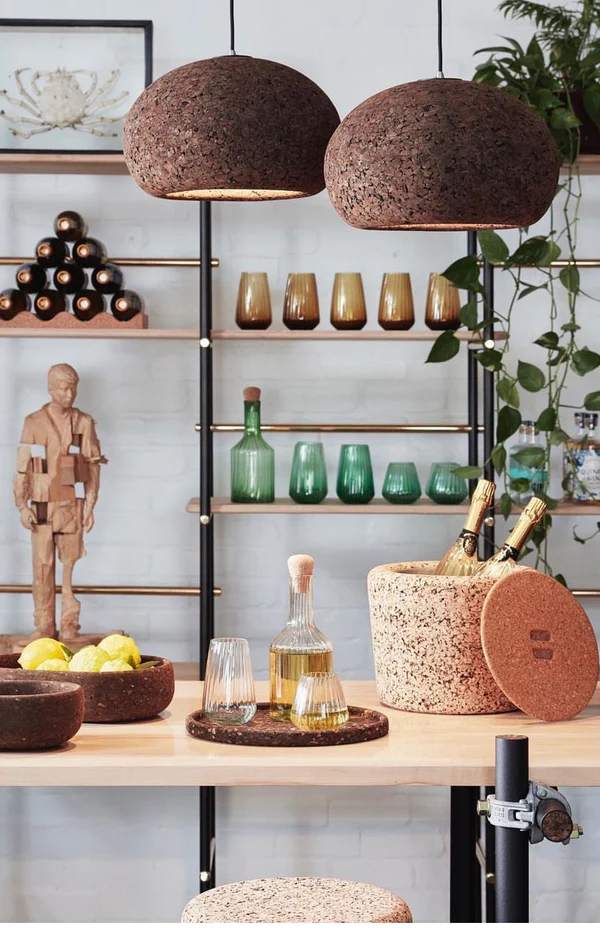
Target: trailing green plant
(559,62)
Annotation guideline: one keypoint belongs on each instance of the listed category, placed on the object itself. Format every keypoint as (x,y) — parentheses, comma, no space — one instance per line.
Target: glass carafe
(301,647)
(252,459)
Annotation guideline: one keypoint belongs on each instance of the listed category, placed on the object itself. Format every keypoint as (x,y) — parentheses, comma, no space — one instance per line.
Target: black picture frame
(145,26)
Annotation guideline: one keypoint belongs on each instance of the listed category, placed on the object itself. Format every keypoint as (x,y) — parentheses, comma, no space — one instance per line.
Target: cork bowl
(38,714)
(427,641)
(129,696)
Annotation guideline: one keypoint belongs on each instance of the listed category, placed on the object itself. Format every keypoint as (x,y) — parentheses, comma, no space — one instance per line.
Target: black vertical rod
(472,385)
(512,845)
(465,874)
(488,399)
(490,866)
(207,603)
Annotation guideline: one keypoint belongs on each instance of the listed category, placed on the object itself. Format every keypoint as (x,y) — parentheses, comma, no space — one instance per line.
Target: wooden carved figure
(55,489)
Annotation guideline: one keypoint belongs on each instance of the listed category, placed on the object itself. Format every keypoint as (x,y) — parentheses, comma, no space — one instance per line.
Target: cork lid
(539,645)
(251,394)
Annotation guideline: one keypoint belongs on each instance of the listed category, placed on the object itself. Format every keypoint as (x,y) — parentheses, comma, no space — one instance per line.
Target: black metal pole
(472,385)
(490,866)
(465,874)
(207,578)
(489,400)
(512,845)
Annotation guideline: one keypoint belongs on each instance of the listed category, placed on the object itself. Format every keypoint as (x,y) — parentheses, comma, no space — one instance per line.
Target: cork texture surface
(427,641)
(67,320)
(540,646)
(297,899)
(395,160)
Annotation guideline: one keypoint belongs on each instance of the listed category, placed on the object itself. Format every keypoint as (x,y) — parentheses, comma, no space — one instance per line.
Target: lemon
(115,666)
(120,646)
(43,649)
(53,664)
(89,659)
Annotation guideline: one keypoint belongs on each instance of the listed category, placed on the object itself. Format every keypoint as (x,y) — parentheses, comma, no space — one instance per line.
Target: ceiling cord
(231,27)
(440,70)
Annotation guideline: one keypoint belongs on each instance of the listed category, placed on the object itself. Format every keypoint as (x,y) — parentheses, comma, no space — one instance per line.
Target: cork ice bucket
(427,641)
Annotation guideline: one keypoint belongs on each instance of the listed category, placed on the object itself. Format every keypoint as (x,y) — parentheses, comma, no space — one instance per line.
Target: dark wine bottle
(126,304)
(49,303)
(13,302)
(87,304)
(69,278)
(31,278)
(50,252)
(89,252)
(107,278)
(69,226)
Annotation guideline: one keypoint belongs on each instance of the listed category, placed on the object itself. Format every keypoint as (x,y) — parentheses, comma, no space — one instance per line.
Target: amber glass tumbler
(253,309)
(301,302)
(396,307)
(443,304)
(348,307)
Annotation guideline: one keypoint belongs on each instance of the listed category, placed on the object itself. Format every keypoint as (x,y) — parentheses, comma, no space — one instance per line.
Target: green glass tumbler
(355,475)
(401,484)
(445,487)
(308,480)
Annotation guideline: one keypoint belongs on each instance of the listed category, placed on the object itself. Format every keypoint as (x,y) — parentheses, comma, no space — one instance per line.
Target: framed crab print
(66,85)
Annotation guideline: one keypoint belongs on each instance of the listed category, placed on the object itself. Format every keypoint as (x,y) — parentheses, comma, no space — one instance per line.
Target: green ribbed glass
(401,484)
(445,487)
(252,462)
(355,475)
(308,480)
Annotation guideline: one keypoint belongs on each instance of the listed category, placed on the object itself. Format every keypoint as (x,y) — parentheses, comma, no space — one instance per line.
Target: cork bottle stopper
(252,394)
(301,568)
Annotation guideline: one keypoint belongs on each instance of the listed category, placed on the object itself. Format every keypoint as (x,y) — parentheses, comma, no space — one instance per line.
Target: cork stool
(297,899)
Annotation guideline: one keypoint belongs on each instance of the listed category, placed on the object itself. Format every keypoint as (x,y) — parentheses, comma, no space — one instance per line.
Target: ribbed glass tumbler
(355,482)
(308,480)
(396,307)
(319,703)
(401,484)
(445,487)
(301,302)
(228,696)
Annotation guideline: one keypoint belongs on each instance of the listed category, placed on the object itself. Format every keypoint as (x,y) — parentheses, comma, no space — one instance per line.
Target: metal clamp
(544,813)
(205,343)
(205,519)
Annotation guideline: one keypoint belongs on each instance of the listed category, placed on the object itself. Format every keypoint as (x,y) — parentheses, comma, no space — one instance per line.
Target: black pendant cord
(440,43)
(231,27)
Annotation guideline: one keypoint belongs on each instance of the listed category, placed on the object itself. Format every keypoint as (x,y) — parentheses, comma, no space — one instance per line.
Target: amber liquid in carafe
(285,669)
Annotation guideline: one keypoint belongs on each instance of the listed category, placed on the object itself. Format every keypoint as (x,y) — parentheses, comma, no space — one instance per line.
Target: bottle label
(583,467)
(468,542)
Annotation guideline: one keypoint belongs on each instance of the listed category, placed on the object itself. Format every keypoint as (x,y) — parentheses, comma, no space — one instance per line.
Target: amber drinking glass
(301,302)
(443,304)
(355,475)
(253,308)
(348,307)
(396,307)
(443,486)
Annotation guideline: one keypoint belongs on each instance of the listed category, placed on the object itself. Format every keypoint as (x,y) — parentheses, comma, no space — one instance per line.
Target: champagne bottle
(69,226)
(87,304)
(126,304)
(301,647)
(13,302)
(69,278)
(31,278)
(50,252)
(461,559)
(49,303)
(107,278)
(89,252)
(503,562)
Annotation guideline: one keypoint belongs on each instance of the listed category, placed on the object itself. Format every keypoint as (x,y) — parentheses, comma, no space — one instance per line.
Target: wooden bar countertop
(427,750)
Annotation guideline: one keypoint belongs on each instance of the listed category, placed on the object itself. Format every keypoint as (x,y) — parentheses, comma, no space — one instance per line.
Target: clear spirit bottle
(537,476)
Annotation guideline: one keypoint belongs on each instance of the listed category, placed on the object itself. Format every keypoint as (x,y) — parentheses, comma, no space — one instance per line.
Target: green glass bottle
(252,459)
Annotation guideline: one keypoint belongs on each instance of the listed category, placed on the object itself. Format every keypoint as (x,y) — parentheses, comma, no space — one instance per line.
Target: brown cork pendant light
(230,128)
(441,155)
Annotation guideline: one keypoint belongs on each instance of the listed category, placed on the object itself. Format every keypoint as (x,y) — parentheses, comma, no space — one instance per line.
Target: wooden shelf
(92,163)
(428,750)
(286,506)
(587,164)
(143,334)
(376,335)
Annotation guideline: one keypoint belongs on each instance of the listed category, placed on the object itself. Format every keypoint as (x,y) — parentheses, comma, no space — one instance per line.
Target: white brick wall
(131,855)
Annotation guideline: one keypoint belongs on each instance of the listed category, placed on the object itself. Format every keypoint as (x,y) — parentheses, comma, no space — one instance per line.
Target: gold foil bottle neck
(529,518)
(482,499)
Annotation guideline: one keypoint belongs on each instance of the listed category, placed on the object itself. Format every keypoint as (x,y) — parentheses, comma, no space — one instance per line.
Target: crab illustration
(56,100)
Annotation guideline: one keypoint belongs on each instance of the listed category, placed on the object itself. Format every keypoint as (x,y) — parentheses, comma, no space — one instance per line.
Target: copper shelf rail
(127,262)
(117,590)
(560,262)
(346,427)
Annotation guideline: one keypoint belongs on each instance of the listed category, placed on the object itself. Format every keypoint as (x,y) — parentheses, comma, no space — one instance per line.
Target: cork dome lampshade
(230,128)
(441,154)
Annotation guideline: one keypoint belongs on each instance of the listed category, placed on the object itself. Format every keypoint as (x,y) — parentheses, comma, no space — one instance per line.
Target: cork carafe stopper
(251,394)
(301,568)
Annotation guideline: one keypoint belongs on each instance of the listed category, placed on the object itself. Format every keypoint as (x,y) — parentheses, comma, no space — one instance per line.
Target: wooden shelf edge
(334,335)
(585,164)
(40,163)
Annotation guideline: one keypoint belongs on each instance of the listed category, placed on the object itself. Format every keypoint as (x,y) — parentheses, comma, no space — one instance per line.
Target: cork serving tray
(263,731)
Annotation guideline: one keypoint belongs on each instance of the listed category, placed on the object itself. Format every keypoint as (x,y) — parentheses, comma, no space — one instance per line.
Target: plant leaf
(464,273)
(519,485)
(559,437)
(493,248)
(569,278)
(531,457)
(570,327)
(547,340)
(509,420)
(562,118)
(530,377)
(145,665)
(468,314)
(498,458)
(489,358)
(546,420)
(585,361)
(536,251)
(469,472)
(561,579)
(527,290)
(505,505)
(591,101)
(444,347)
(592,401)
(506,388)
